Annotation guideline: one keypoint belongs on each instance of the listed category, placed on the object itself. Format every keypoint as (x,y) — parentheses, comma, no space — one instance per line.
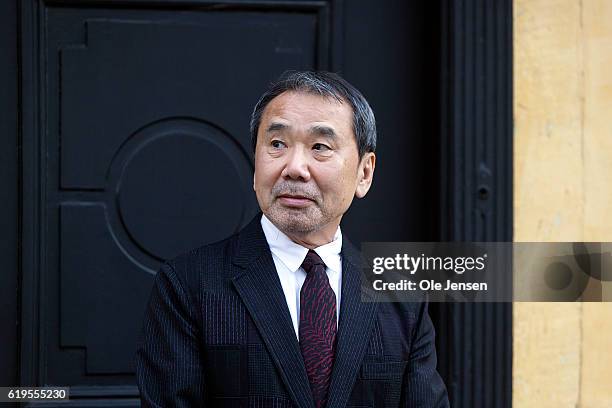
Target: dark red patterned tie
(317,327)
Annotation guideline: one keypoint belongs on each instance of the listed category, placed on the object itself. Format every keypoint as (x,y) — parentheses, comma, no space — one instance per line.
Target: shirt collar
(292,255)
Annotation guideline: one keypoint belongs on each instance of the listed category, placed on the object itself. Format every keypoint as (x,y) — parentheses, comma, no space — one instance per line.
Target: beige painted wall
(563,191)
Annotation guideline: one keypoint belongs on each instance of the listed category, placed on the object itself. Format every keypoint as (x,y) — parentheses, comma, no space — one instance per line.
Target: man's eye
(320,147)
(277,144)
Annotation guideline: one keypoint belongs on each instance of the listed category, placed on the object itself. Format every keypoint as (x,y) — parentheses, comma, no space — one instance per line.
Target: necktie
(317,327)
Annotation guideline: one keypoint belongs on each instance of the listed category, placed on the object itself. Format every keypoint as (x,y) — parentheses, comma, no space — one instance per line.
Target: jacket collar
(257,283)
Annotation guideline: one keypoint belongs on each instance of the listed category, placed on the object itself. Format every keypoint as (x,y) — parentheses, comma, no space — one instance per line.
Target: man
(273,316)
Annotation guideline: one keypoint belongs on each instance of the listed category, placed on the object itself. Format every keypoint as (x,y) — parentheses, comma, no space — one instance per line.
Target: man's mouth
(294,200)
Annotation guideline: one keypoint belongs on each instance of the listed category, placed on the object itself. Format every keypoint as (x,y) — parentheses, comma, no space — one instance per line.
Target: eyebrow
(276,126)
(323,131)
(320,130)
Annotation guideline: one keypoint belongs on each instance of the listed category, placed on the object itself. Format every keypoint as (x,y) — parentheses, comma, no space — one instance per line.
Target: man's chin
(295,221)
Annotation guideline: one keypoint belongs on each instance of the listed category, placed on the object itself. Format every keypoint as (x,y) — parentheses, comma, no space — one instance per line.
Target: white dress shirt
(288,257)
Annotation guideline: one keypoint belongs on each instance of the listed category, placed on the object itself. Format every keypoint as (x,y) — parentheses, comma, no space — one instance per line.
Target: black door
(135,147)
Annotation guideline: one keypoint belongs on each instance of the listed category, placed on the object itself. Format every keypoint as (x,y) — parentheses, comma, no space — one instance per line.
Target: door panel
(147,154)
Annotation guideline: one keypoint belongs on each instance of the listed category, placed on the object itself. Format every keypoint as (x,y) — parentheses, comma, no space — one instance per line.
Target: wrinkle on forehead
(308,111)
(316,129)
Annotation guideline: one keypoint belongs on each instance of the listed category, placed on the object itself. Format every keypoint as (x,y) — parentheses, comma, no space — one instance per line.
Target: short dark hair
(326,84)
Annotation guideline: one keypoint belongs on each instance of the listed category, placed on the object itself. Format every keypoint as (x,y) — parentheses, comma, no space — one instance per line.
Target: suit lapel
(259,287)
(356,322)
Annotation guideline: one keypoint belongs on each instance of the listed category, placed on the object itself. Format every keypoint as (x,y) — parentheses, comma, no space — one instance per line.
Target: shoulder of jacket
(201,267)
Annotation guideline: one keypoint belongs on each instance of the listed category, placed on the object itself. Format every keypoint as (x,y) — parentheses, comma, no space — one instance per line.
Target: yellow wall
(563,191)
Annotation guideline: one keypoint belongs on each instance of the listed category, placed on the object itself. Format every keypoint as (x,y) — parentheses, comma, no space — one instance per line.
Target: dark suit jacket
(217,332)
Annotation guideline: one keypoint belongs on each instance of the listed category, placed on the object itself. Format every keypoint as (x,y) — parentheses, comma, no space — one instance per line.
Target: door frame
(476,195)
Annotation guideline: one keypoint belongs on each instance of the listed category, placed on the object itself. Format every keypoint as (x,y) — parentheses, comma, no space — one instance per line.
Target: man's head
(314,137)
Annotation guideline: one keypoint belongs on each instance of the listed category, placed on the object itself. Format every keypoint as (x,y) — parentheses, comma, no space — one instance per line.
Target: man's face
(307,167)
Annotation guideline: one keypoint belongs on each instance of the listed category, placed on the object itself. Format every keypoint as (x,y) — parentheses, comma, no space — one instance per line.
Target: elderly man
(273,316)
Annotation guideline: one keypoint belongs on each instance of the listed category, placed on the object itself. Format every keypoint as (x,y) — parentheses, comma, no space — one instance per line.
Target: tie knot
(311,261)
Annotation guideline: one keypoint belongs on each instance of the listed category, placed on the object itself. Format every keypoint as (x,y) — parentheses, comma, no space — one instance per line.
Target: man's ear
(254,168)
(365,174)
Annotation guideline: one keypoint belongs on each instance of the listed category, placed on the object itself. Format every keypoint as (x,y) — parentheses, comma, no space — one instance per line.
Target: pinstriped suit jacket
(217,332)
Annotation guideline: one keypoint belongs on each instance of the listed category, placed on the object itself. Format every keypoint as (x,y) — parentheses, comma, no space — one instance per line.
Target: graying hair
(325,84)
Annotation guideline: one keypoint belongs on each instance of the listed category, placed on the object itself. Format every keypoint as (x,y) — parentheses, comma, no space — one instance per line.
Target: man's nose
(296,167)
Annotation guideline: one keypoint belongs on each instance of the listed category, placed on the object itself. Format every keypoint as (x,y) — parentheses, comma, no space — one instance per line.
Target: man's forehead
(319,128)
(307,105)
